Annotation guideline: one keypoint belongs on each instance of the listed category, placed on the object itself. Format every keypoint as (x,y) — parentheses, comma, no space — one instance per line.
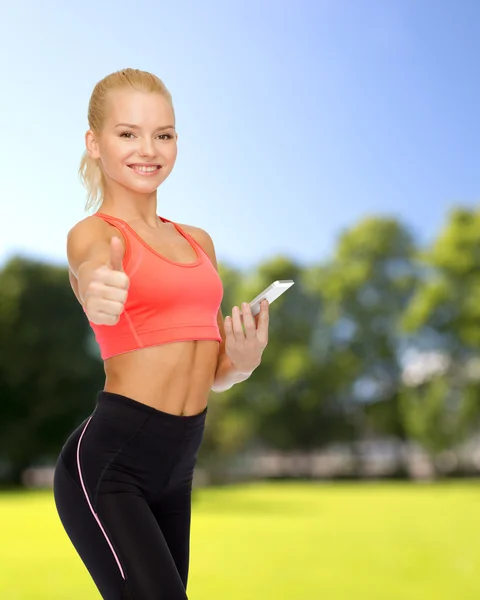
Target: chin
(143,187)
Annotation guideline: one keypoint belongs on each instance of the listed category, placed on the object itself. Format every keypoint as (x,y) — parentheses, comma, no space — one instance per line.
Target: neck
(130,206)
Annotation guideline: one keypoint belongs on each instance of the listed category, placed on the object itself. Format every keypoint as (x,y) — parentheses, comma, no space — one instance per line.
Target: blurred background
(332,142)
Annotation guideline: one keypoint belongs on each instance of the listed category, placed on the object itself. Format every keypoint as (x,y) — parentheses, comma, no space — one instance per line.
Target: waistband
(110,405)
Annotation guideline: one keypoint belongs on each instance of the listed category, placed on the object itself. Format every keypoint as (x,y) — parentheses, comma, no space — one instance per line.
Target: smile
(145,169)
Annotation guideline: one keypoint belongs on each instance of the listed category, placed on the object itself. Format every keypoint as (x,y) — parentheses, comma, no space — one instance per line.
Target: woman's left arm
(241,348)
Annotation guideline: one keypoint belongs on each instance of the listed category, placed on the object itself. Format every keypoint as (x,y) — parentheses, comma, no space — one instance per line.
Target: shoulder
(202,238)
(199,234)
(90,228)
(88,236)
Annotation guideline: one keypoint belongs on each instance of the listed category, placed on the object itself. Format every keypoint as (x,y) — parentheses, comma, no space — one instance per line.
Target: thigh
(173,515)
(85,534)
(172,508)
(143,552)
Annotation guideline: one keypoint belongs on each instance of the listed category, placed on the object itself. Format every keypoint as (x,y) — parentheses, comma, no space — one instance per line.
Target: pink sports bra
(167,301)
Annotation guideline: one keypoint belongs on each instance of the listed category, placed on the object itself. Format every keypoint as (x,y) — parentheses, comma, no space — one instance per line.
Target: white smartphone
(271,293)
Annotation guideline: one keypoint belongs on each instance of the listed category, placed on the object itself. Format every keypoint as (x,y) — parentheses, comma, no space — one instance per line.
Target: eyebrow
(132,126)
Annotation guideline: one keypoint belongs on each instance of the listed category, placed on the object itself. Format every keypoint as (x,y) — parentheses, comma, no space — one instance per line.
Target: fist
(107,291)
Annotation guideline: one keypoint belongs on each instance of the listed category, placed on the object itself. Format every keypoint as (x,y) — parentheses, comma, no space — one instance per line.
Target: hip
(127,446)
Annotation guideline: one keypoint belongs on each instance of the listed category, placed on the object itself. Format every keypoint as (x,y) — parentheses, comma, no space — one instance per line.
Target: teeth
(144,169)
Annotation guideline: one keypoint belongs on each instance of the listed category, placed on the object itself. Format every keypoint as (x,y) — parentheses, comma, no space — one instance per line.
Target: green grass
(280,541)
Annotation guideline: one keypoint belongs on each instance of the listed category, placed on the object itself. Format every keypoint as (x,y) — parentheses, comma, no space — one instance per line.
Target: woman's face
(138,143)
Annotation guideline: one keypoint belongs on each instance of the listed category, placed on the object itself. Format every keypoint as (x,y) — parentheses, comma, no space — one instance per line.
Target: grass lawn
(280,541)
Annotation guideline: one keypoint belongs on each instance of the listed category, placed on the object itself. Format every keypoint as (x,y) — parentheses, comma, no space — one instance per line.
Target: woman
(151,292)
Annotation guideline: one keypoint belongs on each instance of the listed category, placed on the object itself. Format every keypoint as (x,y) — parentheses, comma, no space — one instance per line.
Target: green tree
(446,306)
(49,374)
(439,413)
(444,315)
(365,289)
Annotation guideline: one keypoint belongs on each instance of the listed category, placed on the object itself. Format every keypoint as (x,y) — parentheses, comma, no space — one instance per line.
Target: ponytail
(91,176)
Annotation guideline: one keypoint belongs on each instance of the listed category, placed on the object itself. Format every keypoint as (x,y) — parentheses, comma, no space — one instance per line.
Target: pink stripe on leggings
(88,500)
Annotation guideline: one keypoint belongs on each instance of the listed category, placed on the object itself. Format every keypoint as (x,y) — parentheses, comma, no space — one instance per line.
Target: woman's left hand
(245,348)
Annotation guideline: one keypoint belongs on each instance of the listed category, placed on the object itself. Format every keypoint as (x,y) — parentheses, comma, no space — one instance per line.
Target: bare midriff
(175,378)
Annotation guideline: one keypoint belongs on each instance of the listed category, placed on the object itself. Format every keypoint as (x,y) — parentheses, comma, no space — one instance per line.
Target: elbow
(220,380)
(217,387)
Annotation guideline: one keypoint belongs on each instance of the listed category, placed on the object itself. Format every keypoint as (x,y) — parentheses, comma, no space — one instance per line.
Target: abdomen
(174,377)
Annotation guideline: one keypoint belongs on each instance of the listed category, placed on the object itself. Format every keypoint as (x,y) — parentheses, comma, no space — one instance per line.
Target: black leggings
(122,488)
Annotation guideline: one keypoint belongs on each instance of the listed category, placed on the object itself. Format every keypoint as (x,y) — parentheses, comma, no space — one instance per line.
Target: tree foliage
(48,373)
(340,346)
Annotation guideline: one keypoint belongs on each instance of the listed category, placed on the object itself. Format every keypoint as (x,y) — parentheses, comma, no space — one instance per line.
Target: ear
(92,144)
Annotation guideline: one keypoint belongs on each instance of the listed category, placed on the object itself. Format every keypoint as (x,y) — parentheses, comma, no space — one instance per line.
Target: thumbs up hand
(107,291)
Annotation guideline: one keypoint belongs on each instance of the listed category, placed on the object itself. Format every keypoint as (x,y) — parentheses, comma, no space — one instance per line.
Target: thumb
(116,254)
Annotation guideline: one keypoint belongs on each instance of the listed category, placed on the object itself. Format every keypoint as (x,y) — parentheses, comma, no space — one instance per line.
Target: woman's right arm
(95,255)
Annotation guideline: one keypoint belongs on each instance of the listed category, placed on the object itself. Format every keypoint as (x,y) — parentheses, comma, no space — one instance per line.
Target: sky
(295,120)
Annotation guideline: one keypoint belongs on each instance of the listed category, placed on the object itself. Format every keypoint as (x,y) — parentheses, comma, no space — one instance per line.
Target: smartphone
(271,293)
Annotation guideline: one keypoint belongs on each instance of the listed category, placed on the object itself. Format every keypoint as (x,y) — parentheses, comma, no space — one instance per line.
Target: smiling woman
(151,291)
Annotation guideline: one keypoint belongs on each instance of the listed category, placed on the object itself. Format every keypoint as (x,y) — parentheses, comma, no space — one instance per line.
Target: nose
(147,148)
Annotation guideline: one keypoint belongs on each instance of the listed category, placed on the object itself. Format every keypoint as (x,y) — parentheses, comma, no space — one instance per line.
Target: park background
(330,142)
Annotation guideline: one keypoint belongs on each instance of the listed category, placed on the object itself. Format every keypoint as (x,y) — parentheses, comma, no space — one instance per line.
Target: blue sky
(295,119)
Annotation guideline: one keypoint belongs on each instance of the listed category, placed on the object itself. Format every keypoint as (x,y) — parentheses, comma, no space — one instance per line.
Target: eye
(129,135)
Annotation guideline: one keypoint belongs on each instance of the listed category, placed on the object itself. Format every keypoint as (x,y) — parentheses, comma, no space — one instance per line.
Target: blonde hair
(90,171)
